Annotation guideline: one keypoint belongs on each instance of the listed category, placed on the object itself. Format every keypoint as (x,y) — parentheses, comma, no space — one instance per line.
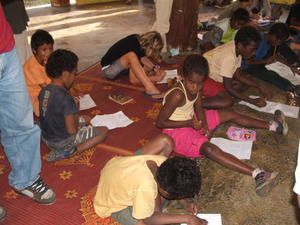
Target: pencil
(275,50)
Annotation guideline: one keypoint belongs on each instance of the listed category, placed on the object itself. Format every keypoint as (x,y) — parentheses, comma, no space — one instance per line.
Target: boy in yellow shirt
(132,189)
(34,69)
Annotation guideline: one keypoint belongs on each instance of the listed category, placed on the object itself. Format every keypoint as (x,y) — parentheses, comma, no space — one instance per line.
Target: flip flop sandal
(153,98)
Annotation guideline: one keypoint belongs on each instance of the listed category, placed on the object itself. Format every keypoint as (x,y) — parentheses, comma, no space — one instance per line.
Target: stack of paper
(111,121)
(240,149)
(86,102)
(170,74)
(212,219)
(271,107)
(285,72)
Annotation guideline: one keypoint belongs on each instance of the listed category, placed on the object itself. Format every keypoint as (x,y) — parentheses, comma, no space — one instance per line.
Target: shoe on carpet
(2,213)
(265,182)
(282,126)
(39,192)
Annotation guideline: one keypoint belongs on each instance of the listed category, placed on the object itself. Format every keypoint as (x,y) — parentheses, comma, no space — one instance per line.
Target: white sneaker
(39,192)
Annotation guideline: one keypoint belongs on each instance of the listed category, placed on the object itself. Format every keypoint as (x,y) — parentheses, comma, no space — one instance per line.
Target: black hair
(280,31)
(240,14)
(59,61)
(246,35)
(244,0)
(39,38)
(180,177)
(195,64)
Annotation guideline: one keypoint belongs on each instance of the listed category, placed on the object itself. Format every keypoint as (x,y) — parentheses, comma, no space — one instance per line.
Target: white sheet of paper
(285,72)
(86,102)
(111,121)
(271,107)
(170,74)
(284,15)
(212,219)
(240,149)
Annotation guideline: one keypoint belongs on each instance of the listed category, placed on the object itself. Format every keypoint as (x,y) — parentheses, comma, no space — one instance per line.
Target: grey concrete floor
(90,30)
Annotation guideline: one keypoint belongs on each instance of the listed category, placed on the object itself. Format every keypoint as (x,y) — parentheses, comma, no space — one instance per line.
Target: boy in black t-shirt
(63,130)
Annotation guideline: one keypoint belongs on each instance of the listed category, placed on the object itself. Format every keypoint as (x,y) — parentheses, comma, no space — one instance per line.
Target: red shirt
(7,41)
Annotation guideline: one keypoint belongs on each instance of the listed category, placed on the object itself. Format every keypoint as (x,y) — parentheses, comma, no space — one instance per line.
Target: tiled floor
(90,30)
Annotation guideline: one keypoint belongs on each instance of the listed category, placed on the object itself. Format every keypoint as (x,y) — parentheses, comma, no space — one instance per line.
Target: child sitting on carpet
(226,80)
(34,69)
(273,47)
(131,53)
(225,29)
(182,117)
(132,189)
(63,130)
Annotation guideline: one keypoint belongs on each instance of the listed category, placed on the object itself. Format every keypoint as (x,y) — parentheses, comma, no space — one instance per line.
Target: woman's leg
(137,73)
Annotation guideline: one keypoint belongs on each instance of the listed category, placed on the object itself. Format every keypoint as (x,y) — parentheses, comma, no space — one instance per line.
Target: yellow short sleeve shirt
(127,181)
(223,61)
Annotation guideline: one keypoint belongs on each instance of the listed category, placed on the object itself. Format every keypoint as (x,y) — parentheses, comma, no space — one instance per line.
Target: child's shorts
(61,147)
(124,216)
(211,88)
(113,70)
(188,141)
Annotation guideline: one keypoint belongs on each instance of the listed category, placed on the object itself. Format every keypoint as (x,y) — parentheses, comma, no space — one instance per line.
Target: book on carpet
(120,98)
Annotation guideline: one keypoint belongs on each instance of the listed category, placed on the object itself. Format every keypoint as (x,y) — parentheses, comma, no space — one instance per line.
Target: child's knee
(130,55)
(227,102)
(167,141)
(103,131)
(207,149)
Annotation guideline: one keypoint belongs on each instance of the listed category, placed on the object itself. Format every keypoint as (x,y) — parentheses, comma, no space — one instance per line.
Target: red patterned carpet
(74,180)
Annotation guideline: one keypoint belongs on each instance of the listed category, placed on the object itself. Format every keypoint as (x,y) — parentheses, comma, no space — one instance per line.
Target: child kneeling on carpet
(34,69)
(132,189)
(131,53)
(183,118)
(63,130)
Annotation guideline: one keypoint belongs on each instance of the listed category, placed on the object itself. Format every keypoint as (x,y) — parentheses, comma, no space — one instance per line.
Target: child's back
(63,131)
(55,104)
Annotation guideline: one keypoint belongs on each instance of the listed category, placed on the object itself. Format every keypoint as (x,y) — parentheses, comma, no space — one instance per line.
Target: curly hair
(152,41)
(39,38)
(59,61)
(280,31)
(195,64)
(180,177)
(246,35)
